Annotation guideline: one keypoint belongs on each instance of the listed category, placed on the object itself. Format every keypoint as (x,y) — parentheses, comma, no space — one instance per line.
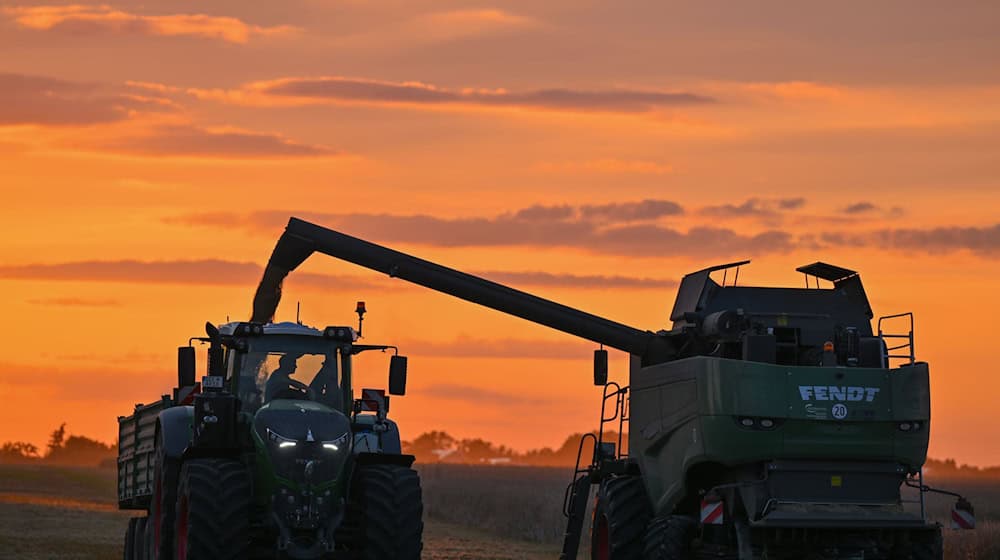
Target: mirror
(600,367)
(185,366)
(397,375)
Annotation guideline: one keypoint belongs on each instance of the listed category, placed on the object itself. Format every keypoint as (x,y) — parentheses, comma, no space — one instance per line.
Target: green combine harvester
(766,423)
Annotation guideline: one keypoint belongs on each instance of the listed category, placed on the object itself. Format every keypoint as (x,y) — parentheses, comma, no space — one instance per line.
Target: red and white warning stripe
(186,394)
(711,512)
(372,400)
(962,519)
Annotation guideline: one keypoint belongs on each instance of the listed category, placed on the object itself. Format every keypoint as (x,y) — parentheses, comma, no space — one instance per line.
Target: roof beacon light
(360,310)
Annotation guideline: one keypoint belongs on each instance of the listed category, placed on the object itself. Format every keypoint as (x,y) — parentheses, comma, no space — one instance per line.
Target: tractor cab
(266,363)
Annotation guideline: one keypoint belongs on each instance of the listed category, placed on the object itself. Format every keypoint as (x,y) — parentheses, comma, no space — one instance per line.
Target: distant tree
(81,450)
(18,452)
(429,447)
(57,438)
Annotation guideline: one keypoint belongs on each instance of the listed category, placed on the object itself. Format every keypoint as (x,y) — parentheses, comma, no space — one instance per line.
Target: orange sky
(589,152)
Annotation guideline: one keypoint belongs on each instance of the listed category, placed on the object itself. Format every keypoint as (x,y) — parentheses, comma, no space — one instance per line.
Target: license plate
(212,382)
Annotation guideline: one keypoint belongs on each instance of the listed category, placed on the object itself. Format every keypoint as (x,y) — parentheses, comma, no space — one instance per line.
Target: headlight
(279,439)
(337,444)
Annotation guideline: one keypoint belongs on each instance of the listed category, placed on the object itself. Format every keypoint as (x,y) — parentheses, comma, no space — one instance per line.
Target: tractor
(270,455)
(765,423)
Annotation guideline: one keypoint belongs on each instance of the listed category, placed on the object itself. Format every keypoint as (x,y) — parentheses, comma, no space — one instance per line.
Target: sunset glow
(592,153)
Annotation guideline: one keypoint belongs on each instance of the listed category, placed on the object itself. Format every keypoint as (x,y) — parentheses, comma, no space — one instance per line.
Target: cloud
(859,208)
(472,393)
(39,100)
(340,89)
(469,347)
(574,280)
(649,209)
(222,272)
(984,240)
(754,207)
(81,19)
(607,165)
(75,302)
(188,140)
(791,203)
(87,383)
(623,228)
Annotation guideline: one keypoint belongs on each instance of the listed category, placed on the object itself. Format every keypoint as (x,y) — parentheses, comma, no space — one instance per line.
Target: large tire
(927,545)
(159,534)
(129,551)
(140,539)
(213,511)
(620,518)
(669,538)
(384,519)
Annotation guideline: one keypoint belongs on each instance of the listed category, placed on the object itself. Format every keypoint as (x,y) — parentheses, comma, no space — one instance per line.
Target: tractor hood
(307,443)
(300,422)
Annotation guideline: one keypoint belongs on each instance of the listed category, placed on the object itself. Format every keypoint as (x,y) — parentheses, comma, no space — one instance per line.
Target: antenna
(298,309)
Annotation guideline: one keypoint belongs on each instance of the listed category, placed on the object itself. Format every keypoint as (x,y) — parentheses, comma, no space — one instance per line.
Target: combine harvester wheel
(621,515)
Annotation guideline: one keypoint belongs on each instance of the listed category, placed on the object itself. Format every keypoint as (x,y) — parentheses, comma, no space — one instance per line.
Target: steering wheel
(295,390)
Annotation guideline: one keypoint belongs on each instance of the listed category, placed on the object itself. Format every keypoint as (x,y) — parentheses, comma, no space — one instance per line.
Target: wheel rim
(182,528)
(602,545)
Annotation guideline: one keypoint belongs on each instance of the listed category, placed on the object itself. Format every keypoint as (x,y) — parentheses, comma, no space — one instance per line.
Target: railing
(620,395)
(905,346)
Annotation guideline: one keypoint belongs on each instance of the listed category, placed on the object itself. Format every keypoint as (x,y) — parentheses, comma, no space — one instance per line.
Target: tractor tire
(669,538)
(384,518)
(129,551)
(140,538)
(159,534)
(620,518)
(213,510)
(927,545)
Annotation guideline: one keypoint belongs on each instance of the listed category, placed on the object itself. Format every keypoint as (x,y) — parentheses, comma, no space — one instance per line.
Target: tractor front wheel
(384,518)
(620,517)
(212,519)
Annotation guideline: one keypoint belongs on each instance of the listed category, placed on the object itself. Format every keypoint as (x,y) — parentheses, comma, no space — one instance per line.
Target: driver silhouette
(280,378)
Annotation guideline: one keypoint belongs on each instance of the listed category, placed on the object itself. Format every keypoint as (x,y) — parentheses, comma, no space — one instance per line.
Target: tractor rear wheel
(620,518)
(135,539)
(384,519)
(213,510)
(159,531)
(129,552)
(668,538)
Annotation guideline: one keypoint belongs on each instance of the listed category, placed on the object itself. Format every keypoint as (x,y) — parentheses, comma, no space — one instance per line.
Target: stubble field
(471,513)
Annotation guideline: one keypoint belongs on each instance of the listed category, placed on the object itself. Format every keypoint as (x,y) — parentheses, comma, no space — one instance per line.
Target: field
(472,513)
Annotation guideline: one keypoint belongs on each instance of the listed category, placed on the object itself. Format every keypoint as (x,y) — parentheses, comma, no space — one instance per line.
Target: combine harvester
(766,423)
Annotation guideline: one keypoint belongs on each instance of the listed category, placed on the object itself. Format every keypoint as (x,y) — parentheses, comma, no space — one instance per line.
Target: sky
(589,152)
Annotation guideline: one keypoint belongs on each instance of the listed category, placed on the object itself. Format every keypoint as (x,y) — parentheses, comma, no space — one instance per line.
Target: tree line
(62,449)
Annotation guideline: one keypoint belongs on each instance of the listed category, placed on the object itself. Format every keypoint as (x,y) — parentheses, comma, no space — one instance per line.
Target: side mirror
(185,366)
(600,367)
(216,354)
(397,375)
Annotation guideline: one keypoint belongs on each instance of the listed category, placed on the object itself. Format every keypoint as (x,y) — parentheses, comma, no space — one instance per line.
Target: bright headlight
(337,444)
(281,440)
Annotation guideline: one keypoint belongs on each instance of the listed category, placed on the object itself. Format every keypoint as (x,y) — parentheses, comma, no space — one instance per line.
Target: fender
(389,439)
(175,428)
(384,459)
